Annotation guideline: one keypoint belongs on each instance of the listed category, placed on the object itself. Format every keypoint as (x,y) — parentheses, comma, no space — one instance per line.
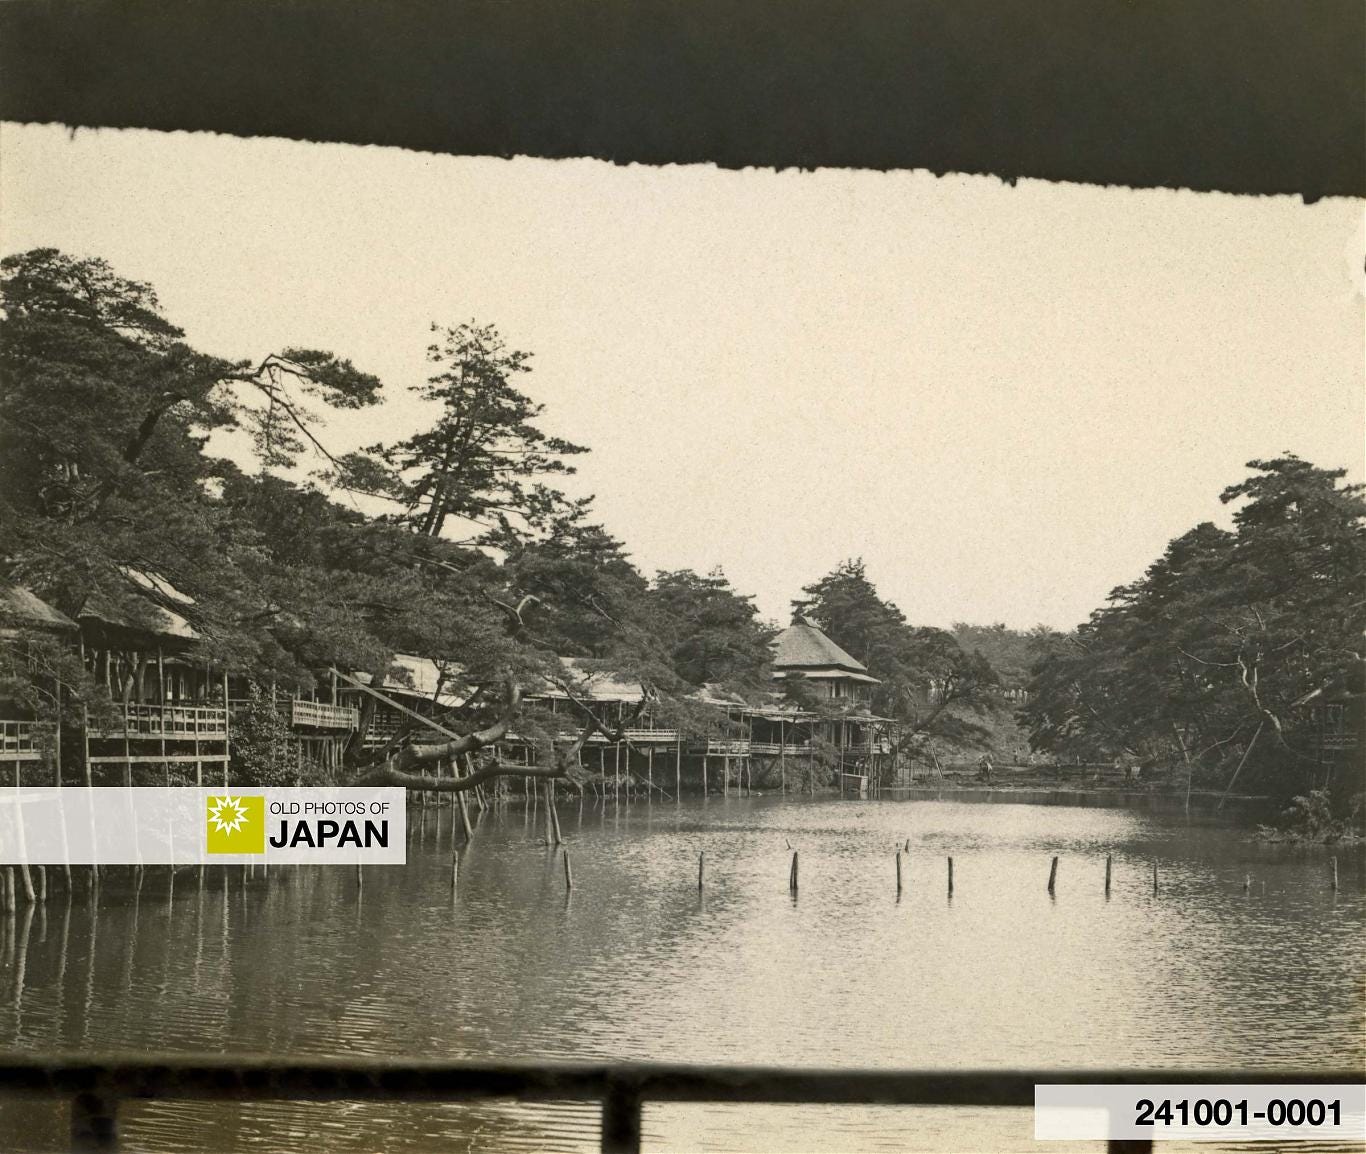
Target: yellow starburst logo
(236,824)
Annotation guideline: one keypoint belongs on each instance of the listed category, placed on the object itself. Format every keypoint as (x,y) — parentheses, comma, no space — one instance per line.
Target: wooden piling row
(12,892)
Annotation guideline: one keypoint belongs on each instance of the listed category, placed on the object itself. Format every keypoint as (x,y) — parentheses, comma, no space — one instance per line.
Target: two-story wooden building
(842,717)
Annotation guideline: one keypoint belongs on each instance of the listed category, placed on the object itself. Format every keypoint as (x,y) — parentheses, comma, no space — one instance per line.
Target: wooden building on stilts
(863,744)
(171,714)
(171,723)
(25,740)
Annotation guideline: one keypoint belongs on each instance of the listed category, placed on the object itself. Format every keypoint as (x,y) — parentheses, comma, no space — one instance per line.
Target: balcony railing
(95,1089)
(650,736)
(173,722)
(17,741)
(718,748)
(318,715)
(774,748)
(634,736)
(868,748)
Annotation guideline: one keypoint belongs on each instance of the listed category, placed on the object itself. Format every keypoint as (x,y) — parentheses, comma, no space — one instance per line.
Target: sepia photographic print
(683,578)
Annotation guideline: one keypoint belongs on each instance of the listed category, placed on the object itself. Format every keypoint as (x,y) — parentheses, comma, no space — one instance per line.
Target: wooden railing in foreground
(96,1087)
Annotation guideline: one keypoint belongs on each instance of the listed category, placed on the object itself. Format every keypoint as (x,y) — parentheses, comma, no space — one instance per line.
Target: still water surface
(634,965)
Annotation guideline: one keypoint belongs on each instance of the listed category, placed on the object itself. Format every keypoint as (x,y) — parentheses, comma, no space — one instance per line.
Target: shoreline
(1237,809)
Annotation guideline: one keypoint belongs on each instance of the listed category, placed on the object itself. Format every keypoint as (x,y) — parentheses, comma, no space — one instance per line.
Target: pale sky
(1006,400)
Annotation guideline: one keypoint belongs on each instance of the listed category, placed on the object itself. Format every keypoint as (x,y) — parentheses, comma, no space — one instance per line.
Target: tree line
(456,542)
(1235,653)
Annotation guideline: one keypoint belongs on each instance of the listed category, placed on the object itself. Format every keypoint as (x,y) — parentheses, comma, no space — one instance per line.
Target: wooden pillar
(57,737)
(27,878)
(85,742)
(782,756)
(748,764)
(161,706)
(227,727)
(57,753)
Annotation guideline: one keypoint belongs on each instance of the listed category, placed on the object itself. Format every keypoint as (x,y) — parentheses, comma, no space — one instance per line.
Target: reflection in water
(637,966)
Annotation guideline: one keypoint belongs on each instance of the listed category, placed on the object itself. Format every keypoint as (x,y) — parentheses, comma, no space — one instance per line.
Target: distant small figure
(984,767)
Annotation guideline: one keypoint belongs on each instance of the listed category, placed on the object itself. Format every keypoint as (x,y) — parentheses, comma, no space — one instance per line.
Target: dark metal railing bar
(622,1113)
(95,1087)
(94,1123)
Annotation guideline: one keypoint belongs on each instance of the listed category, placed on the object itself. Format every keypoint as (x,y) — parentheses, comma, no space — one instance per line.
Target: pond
(634,964)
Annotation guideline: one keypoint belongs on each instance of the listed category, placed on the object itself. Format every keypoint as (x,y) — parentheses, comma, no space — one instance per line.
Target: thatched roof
(590,684)
(420,677)
(158,621)
(22,609)
(801,646)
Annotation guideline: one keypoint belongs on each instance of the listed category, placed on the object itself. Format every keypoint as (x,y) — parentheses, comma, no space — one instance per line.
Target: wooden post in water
(1107,875)
(25,877)
(898,873)
(701,861)
(554,813)
(1247,883)
(1154,877)
(464,807)
(1335,872)
(950,877)
(360,879)
(792,877)
(1052,876)
(455,872)
(568,873)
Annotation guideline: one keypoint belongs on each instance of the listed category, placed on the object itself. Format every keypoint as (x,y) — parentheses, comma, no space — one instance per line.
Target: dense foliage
(105,472)
(1216,658)
(109,493)
(929,682)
